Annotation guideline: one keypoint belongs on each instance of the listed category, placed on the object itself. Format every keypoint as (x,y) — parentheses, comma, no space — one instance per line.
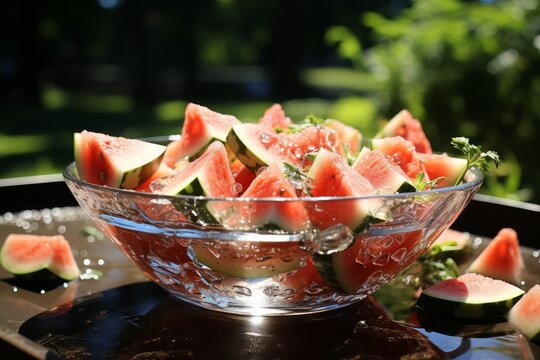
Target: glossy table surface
(116,313)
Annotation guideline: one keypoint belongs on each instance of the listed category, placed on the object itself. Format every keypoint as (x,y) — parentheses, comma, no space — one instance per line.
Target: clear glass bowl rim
(69,175)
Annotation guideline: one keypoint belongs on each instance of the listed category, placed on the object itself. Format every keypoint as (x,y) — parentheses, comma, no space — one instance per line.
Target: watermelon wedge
(274,117)
(202,126)
(383,174)
(332,176)
(525,314)
(501,259)
(470,296)
(405,125)
(446,169)
(209,175)
(401,152)
(271,183)
(115,161)
(23,254)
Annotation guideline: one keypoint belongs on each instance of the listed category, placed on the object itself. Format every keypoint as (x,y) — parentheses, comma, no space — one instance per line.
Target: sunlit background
(128,68)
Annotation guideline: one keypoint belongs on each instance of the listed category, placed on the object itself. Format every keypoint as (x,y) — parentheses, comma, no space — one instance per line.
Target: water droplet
(286,258)
(241,290)
(382,260)
(363,257)
(101,262)
(237,188)
(399,254)
(262,258)
(86,262)
(313,289)
(42,292)
(61,229)
(15,289)
(265,137)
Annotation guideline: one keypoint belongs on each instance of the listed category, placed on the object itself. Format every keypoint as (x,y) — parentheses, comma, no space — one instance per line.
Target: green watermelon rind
(527,323)
(260,269)
(249,151)
(25,268)
(444,303)
(134,171)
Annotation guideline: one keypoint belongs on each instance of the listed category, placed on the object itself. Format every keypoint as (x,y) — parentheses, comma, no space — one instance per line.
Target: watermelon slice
(209,175)
(453,244)
(446,169)
(332,176)
(250,144)
(470,296)
(115,161)
(405,125)
(350,137)
(274,117)
(258,145)
(525,314)
(23,254)
(287,215)
(402,152)
(383,174)
(249,260)
(202,126)
(501,259)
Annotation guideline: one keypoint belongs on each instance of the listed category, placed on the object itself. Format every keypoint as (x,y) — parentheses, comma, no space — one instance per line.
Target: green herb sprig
(475,156)
(297,177)
(310,120)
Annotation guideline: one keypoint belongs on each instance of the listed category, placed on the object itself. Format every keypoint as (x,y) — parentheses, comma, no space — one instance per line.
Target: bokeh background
(128,68)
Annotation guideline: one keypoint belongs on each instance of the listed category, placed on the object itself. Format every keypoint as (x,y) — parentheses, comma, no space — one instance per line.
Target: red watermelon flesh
(242,175)
(383,174)
(405,125)
(201,127)
(402,152)
(448,170)
(24,254)
(471,288)
(274,117)
(349,136)
(501,259)
(162,172)
(115,161)
(332,176)
(294,146)
(525,314)
(271,183)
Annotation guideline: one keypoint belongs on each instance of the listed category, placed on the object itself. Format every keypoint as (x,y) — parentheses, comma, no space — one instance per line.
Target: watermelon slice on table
(23,254)
(202,126)
(525,314)
(331,176)
(501,259)
(115,161)
(385,176)
(405,125)
(470,296)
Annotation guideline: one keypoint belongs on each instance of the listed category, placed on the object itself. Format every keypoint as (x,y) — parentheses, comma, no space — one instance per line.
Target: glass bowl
(235,267)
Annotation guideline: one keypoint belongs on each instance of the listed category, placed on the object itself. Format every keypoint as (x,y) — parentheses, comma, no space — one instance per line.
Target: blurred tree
(465,68)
